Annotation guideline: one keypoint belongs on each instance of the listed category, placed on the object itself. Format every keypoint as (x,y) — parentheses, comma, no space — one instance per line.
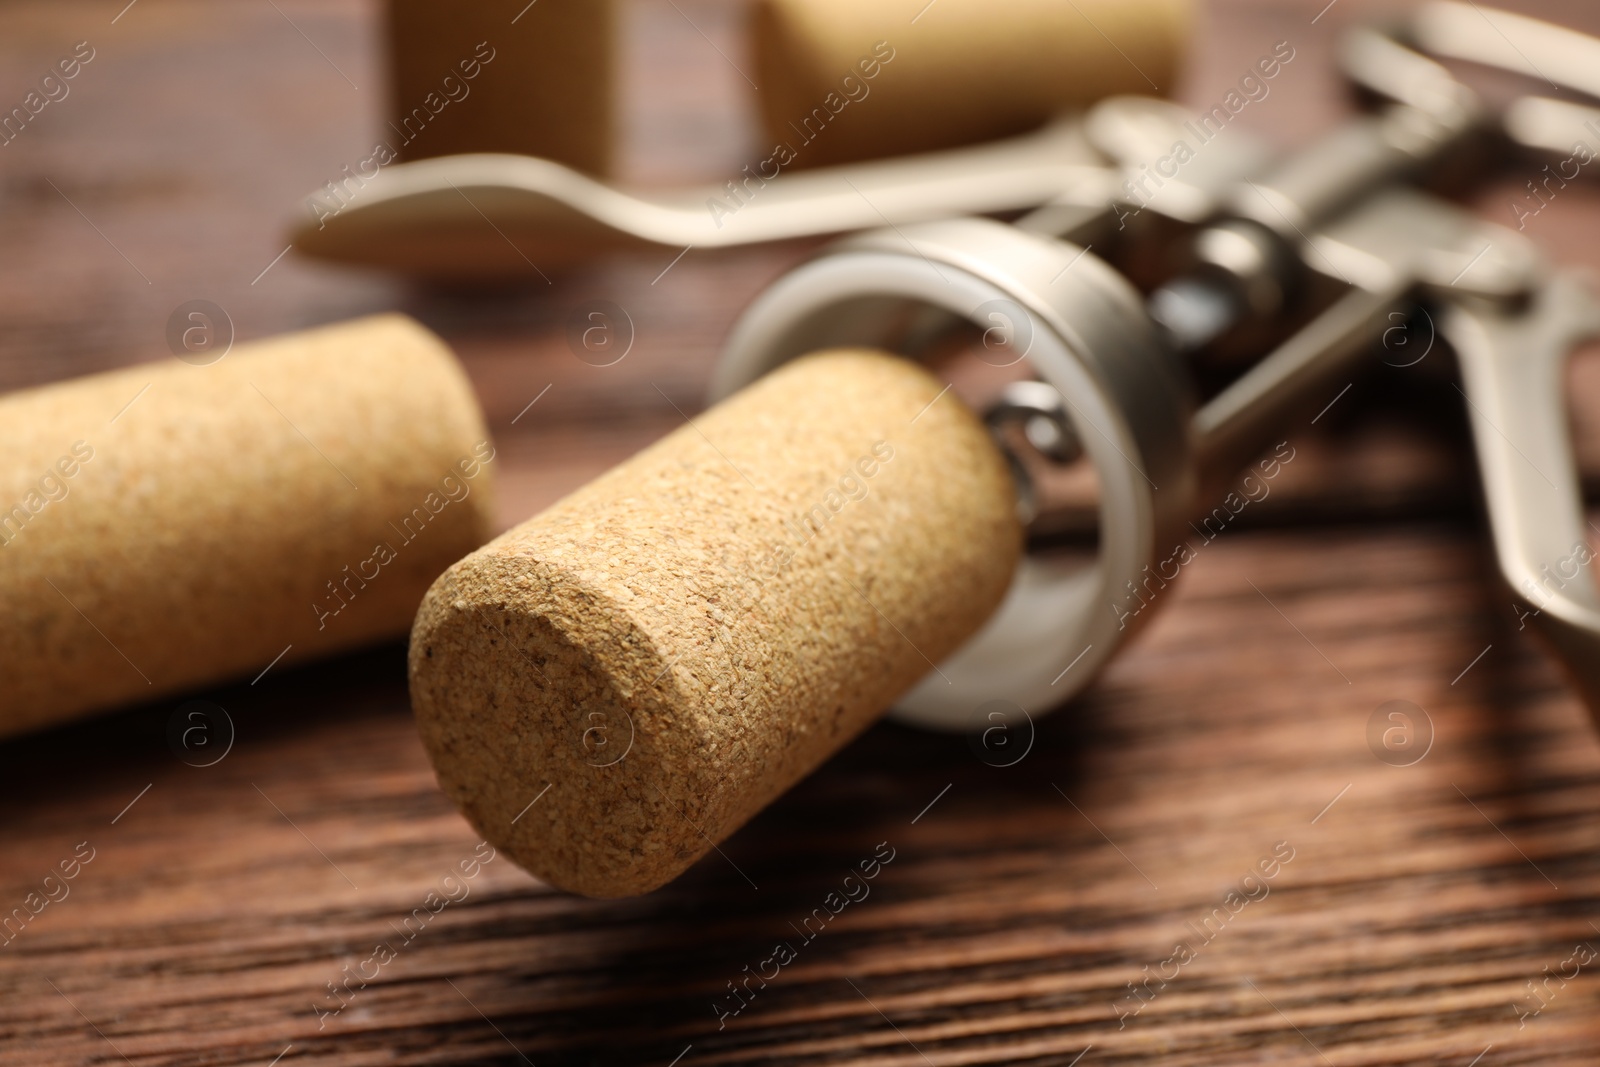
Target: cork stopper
(620,682)
(170,526)
(846,80)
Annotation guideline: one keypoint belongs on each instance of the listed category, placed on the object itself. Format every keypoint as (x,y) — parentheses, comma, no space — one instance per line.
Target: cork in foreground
(171,526)
(661,654)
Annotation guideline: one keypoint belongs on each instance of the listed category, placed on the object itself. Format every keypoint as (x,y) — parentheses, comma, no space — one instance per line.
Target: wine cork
(503,76)
(623,680)
(845,80)
(166,527)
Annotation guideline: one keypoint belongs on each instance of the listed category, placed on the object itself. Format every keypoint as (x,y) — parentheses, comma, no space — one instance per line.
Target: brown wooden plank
(1006,926)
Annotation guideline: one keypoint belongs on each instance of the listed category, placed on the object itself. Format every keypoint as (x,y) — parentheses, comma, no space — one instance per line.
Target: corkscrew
(1262,236)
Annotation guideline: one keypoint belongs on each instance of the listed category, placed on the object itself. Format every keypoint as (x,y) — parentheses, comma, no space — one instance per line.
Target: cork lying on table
(845,80)
(167,526)
(628,677)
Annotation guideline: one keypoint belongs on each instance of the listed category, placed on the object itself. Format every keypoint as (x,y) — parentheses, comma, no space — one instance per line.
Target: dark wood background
(1019,905)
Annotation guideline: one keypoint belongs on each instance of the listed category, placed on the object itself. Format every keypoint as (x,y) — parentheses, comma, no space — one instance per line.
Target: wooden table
(1021,903)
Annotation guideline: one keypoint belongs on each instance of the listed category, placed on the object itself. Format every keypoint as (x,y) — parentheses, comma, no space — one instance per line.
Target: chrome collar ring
(1084,330)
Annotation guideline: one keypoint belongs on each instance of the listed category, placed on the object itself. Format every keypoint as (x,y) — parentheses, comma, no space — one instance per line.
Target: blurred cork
(846,80)
(166,527)
(503,76)
(628,677)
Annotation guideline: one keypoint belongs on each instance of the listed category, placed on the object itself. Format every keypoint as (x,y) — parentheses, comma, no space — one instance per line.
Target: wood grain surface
(1022,904)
